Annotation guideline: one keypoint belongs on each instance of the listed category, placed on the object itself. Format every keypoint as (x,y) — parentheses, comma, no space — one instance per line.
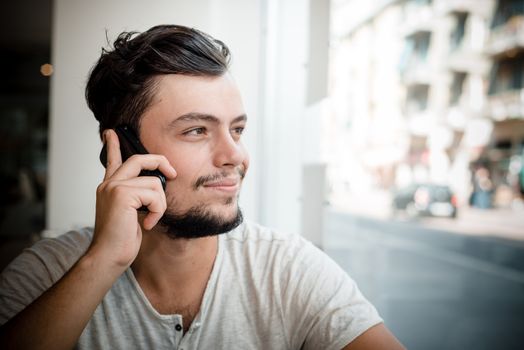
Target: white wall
(281,129)
(78,35)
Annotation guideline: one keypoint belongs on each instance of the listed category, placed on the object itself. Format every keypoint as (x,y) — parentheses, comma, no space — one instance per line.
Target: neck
(163,262)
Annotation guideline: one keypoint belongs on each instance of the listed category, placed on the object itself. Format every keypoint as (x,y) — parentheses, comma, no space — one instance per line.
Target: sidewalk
(502,223)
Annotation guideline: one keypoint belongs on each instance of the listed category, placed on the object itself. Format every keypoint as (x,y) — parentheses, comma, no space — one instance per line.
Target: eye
(195,132)
(238,130)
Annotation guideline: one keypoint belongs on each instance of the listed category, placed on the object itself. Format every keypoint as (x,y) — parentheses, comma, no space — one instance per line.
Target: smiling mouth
(225,185)
(222,179)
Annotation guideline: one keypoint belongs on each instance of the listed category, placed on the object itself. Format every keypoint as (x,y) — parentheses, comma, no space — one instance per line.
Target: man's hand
(118,235)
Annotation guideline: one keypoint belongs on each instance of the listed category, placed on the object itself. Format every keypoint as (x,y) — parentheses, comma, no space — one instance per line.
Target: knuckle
(160,159)
(134,158)
(118,191)
(100,188)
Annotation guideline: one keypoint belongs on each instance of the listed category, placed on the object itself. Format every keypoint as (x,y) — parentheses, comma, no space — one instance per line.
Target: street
(434,289)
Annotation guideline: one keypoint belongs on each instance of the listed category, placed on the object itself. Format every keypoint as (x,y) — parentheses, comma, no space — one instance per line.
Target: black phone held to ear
(129,145)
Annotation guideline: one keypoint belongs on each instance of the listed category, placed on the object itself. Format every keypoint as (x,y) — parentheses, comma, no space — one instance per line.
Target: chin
(202,221)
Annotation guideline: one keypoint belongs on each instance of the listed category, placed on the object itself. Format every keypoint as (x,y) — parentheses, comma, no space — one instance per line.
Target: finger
(154,200)
(133,189)
(156,208)
(149,182)
(151,220)
(138,162)
(114,158)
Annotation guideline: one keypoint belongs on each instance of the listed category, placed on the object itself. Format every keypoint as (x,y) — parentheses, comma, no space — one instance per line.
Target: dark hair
(121,85)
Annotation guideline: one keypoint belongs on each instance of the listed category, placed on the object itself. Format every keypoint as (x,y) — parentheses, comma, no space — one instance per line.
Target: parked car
(425,200)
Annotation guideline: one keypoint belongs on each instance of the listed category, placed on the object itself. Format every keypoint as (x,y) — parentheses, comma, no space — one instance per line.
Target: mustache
(202,180)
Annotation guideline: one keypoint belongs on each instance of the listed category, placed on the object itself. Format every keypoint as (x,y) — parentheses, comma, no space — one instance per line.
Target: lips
(223,184)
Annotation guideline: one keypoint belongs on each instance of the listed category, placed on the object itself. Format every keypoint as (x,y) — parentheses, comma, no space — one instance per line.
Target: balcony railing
(482,8)
(417,17)
(417,72)
(506,105)
(467,61)
(507,37)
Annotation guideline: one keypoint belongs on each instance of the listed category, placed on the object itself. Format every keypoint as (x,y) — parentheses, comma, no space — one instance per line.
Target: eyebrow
(191,117)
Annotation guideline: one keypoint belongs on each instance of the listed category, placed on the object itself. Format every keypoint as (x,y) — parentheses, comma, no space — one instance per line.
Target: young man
(186,273)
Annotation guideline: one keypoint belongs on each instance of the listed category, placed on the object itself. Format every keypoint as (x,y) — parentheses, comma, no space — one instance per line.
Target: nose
(228,151)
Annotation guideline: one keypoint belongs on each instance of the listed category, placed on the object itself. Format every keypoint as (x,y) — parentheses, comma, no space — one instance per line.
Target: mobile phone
(129,145)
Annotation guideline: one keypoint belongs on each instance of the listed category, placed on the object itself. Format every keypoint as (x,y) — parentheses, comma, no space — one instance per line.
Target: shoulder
(53,255)
(74,240)
(60,253)
(321,304)
(37,268)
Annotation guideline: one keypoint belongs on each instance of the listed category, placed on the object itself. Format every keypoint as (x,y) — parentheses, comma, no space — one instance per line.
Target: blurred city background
(389,133)
(429,93)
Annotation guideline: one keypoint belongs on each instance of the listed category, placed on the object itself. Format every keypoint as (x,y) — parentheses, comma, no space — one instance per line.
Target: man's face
(197,122)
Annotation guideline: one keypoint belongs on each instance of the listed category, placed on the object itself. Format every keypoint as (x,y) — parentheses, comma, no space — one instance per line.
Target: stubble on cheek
(174,204)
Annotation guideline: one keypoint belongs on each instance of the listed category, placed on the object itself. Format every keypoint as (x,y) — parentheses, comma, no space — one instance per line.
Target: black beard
(197,223)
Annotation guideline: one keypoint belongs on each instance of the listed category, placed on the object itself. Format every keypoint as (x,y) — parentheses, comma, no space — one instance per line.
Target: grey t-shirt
(267,290)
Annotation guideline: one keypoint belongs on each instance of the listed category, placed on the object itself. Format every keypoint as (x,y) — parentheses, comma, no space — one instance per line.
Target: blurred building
(430,91)
(505,99)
